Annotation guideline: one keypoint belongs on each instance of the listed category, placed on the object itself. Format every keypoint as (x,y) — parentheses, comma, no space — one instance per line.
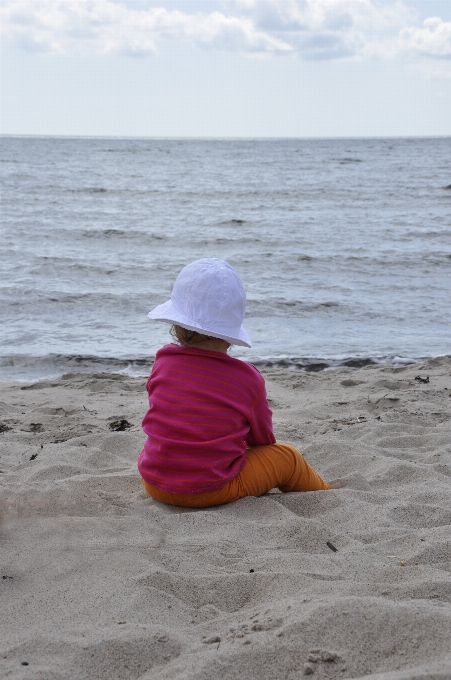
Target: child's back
(205,409)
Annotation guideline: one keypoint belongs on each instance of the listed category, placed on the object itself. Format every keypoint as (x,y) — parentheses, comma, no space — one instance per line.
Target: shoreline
(100,580)
(26,369)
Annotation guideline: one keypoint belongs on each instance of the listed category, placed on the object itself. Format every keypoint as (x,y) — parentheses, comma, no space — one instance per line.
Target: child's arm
(261,431)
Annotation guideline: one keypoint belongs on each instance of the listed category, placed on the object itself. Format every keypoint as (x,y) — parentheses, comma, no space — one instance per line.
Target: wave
(348,160)
(119,233)
(316,364)
(88,190)
(409,235)
(25,368)
(277,307)
(225,222)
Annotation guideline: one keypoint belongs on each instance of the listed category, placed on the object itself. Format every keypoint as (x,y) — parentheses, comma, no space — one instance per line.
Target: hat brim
(167,313)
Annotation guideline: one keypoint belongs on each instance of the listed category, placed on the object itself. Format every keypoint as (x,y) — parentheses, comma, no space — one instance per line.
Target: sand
(99,581)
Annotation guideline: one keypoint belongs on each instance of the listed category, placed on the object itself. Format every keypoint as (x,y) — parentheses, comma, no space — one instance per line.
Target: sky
(226,68)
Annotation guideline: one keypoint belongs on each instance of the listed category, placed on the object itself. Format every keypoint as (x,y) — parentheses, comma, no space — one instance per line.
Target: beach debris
(309,669)
(25,663)
(244,629)
(384,396)
(163,637)
(251,571)
(331,546)
(317,655)
(351,421)
(36,427)
(212,640)
(403,561)
(120,425)
(267,624)
(425,380)
(34,456)
(240,632)
(4,577)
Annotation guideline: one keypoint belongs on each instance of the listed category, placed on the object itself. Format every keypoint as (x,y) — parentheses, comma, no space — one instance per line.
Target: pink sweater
(205,409)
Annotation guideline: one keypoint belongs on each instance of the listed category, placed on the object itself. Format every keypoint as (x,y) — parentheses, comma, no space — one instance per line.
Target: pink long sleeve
(261,430)
(205,408)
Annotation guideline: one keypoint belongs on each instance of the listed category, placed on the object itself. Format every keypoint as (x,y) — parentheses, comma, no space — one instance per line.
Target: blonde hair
(187,338)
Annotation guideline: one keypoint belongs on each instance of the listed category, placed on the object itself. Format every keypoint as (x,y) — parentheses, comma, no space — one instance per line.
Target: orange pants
(274,465)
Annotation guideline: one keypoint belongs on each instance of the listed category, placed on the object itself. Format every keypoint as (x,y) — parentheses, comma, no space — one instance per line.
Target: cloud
(313,29)
(433,39)
(65,25)
(313,15)
(329,29)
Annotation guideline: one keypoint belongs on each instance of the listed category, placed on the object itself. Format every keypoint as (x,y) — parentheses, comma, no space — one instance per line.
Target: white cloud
(433,39)
(62,25)
(335,15)
(314,29)
(325,29)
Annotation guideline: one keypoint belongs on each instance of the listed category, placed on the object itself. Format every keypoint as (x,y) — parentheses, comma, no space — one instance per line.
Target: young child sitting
(209,429)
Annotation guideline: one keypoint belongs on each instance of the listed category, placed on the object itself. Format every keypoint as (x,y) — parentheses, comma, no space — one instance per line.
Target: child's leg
(274,465)
(279,465)
(230,492)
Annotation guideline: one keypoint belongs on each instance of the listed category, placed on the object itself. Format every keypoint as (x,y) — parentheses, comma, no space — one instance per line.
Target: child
(209,426)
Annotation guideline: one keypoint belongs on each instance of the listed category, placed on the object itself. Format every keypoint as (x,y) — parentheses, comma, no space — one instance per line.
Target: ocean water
(344,247)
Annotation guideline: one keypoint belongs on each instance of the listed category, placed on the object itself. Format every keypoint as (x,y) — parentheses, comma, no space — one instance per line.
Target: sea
(344,247)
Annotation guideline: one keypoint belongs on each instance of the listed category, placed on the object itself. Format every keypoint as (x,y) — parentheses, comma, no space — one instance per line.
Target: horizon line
(216,138)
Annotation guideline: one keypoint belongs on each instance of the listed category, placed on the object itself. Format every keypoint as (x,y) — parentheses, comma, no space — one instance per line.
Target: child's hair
(186,338)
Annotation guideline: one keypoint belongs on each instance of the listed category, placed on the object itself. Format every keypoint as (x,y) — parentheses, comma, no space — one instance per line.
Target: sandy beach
(100,581)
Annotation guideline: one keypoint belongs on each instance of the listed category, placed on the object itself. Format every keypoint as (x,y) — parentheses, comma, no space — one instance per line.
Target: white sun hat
(208,297)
